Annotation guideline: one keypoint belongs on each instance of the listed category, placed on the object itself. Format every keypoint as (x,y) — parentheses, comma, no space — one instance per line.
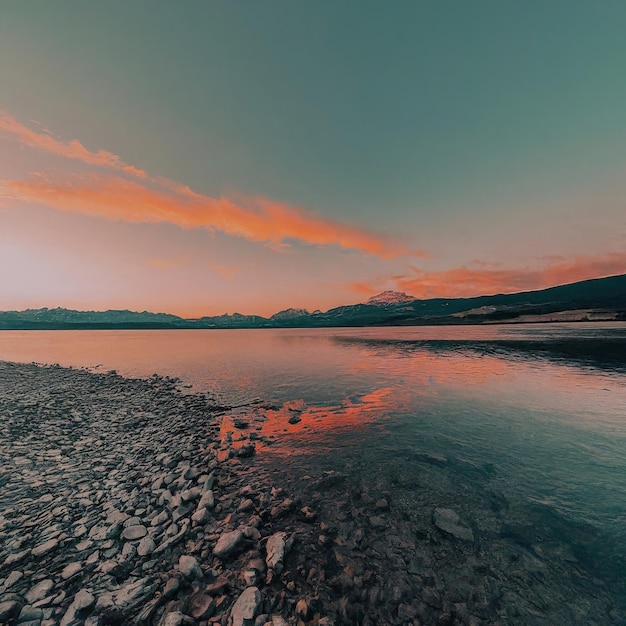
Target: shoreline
(452,322)
(121,503)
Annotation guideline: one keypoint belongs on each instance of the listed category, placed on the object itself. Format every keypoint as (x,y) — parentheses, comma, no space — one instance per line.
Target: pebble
(39,591)
(276,547)
(189,567)
(146,546)
(228,543)
(131,533)
(246,607)
(71,570)
(44,548)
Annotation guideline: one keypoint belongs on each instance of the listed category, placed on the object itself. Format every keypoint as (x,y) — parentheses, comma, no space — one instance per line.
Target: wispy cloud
(73,149)
(139,197)
(480,280)
(256,219)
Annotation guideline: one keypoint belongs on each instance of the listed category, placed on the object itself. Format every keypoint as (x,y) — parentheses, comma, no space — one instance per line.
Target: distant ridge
(589,300)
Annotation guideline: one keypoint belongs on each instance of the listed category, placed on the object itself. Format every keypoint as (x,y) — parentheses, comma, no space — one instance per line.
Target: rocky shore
(122,501)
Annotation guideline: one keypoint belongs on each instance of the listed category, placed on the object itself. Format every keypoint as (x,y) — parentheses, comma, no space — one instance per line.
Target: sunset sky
(204,157)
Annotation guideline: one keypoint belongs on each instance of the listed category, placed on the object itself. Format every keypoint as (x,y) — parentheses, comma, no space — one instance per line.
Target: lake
(525,420)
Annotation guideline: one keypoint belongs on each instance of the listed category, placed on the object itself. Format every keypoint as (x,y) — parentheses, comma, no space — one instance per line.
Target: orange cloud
(253,219)
(158,199)
(464,282)
(70,150)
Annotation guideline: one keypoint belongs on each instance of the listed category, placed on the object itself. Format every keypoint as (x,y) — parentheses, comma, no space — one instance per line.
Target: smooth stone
(12,578)
(29,614)
(16,557)
(8,609)
(276,547)
(71,570)
(171,588)
(217,586)
(200,516)
(246,505)
(82,601)
(46,547)
(450,522)
(189,567)
(246,607)
(228,543)
(130,533)
(160,519)
(146,546)
(175,618)
(39,591)
(201,606)
(135,592)
(207,500)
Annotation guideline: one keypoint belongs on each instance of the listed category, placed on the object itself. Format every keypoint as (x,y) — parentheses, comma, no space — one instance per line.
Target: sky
(207,157)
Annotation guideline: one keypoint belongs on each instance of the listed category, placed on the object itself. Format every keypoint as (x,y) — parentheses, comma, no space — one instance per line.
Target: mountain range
(589,300)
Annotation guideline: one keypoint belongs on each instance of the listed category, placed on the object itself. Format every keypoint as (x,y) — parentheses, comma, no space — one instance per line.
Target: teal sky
(491,136)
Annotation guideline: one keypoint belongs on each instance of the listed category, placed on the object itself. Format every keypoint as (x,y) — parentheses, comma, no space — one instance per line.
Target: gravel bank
(120,503)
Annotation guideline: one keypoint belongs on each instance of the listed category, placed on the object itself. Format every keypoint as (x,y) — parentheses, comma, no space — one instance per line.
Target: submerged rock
(450,522)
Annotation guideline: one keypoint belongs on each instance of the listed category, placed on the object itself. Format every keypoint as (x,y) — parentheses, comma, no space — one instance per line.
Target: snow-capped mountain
(389,298)
(289,314)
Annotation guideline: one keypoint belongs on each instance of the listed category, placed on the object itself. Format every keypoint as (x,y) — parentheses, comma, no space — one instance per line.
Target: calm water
(538,411)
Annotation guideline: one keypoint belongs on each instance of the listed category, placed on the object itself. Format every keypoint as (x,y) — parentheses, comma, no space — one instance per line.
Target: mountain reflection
(607,353)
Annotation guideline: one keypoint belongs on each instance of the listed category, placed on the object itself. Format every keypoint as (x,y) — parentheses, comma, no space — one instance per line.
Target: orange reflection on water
(295,427)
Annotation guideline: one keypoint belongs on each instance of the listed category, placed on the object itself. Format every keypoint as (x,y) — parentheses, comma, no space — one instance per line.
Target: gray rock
(146,546)
(200,606)
(160,519)
(276,548)
(8,609)
(71,570)
(39,591)
(12,578)
(172,540)
(171,588)
(189,567)
(44,548)
(175,618)
(207,500)
(130,533)
(200,516)
(450,522)
(246,505)
(246,607)
(29,614)
(134,593)
(82,601)
(16,557)
(228,543)
(251,577)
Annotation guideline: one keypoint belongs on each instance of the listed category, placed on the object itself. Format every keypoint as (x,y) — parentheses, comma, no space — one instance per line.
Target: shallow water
(535,413)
